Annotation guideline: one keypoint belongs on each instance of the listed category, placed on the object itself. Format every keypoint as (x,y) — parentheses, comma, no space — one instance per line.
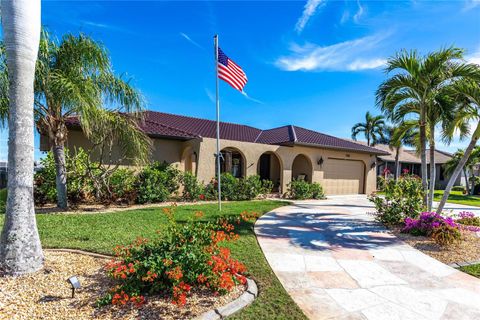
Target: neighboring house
(279,154)
(409,160)
(3,174)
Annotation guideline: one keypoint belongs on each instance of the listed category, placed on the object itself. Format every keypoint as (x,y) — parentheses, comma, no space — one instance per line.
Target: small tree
(74,77)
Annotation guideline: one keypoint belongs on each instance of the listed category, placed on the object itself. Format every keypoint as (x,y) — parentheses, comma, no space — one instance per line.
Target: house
(410,161)
(279,154)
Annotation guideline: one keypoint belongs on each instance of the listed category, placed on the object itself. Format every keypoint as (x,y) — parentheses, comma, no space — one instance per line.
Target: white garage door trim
(344,176)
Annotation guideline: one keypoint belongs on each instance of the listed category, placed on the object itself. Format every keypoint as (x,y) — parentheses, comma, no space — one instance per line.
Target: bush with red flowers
(183,256)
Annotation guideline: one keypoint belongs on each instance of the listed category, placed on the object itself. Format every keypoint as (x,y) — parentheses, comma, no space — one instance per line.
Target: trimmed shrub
(458,188)
(301,190)
(157,182)
(192,189)
(122,186)
(185,255)
(403,198)
(237,189)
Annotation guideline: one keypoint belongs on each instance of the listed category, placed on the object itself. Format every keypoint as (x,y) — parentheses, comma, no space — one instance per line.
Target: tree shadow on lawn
(322,231)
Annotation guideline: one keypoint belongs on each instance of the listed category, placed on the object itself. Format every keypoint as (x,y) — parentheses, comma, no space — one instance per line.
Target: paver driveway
(337,263)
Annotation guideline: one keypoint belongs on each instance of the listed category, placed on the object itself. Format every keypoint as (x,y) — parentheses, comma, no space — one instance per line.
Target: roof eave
(376,152)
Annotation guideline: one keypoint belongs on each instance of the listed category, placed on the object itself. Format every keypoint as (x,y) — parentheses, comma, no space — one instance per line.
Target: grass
(459,198)
(101,232)
(474,270)
(3,200)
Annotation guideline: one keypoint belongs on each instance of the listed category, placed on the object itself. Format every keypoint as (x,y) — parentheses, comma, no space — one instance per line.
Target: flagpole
(218,126)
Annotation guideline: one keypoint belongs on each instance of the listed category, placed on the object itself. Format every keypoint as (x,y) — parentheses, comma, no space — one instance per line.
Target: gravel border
(219,313)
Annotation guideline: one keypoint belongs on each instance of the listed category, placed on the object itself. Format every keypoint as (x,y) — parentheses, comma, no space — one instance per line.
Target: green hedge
(301,190)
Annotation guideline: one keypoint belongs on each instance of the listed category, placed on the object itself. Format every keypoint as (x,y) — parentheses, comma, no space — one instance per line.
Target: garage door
(343,176)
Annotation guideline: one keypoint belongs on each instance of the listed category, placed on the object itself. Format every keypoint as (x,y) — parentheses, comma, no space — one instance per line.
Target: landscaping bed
(464,251)
(46,294)
(101,232)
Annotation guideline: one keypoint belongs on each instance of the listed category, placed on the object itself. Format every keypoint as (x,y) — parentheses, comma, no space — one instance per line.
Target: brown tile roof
(290,135)
(160,124)
(410,156)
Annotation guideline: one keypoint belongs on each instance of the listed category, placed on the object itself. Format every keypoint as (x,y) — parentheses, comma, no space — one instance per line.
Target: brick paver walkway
(337,263)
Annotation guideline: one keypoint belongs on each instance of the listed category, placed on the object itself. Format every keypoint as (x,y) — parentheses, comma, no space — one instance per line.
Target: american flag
(231,72)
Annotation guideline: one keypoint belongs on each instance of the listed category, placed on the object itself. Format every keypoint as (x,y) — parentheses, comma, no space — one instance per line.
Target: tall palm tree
(372,128)
(468,94)
(74,77)
(415,91)
(20,248)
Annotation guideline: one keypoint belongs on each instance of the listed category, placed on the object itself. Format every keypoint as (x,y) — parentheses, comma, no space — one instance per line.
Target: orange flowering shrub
(182,257)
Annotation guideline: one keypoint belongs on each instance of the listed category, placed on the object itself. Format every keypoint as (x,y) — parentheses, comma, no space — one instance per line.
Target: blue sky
(313,63)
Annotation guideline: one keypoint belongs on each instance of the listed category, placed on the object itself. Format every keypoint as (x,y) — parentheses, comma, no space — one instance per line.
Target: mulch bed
(468,249)
(46,294)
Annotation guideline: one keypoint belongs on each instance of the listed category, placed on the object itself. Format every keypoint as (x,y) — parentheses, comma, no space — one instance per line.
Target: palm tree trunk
(458,168)
(20,248)
(423,155)
(467,186)
(61,175)
(432,170)
(397,163)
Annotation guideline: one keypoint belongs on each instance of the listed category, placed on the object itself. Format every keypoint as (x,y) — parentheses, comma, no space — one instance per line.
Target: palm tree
(415,91)
(372,128)
(451,164)
(405,134)
(74,77)
(20,247)
(468,95)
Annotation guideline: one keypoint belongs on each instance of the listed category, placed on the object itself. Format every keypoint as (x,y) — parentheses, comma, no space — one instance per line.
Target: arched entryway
(302,168)
(270,168)
(232,161)
(189,160)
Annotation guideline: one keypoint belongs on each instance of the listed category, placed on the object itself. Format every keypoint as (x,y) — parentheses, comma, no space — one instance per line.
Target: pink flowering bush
(468,221)
(444,230)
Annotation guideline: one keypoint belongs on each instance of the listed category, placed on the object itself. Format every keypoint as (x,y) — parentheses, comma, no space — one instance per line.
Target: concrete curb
(457,265)
(220,313)
(236,305)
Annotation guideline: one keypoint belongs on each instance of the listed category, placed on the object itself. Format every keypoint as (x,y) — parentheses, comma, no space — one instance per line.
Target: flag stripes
(230,72)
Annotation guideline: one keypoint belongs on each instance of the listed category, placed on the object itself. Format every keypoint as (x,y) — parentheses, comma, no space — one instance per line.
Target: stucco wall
(199,155)
(253,151)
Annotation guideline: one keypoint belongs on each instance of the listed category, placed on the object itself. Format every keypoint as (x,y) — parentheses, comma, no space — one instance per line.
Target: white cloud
(470,4)
(359,13)
(352,55)
(187,37)
(345,16)
(308,11)
(474,57)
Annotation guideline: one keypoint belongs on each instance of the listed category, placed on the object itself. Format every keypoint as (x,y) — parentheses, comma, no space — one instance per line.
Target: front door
(265,167)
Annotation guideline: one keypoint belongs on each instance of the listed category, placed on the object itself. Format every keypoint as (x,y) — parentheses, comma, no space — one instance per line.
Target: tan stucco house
(279,154)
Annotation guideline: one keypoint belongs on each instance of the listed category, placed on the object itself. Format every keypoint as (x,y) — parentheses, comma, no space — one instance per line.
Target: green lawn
(474,270)
(459,198)
(101,232)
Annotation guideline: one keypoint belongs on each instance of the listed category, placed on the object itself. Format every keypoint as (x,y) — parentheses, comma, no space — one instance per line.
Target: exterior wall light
(74,283)
(373,165)
(320,161)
